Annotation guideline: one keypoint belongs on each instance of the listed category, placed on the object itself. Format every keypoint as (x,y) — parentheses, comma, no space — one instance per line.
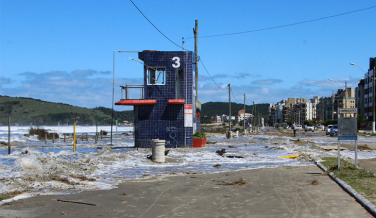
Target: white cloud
(4,80)
(77,88)
(90,88)
(266,82)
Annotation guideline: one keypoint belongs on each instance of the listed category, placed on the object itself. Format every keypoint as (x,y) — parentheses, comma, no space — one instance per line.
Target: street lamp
(373,95)
(358,66)
(113,84)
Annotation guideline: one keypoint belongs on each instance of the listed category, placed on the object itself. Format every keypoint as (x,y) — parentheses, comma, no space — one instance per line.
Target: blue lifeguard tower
(167,108)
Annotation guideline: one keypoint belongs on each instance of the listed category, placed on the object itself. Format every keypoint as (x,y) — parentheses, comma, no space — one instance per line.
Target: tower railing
(125,90)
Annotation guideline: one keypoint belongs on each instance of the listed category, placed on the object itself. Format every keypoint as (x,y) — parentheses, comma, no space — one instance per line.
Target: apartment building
(241,115)
(366,101)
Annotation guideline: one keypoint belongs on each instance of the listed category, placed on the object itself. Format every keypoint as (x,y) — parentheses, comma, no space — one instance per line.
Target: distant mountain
(210,109)
(29,111)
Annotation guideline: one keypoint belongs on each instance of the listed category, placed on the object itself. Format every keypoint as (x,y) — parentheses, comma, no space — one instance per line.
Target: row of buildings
(224,118)
(318,108)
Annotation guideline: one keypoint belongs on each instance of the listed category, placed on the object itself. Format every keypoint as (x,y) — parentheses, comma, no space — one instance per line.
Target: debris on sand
(217,165)
(77,202)
(166,152)
(231,146)
(124,194)
(314,182)
(221,152)
(236,182)
(232,156)
(305,157)
(364,147)
(151,156)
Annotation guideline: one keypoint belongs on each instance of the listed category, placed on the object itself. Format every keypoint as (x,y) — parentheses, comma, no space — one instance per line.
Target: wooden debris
(77,202)
(221,152)
(236,182)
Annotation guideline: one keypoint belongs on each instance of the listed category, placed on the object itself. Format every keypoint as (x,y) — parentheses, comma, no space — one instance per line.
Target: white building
(242,116)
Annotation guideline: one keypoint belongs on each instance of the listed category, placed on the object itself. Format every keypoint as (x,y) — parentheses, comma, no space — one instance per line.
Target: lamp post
(373,94)
(113,84)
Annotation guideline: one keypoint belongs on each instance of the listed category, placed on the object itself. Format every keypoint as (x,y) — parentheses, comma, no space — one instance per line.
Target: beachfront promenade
(268,192)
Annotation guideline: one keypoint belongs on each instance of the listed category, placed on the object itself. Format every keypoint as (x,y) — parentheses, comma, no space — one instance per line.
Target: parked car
(328,129)
(299,127)
(320,127)
(334,130)
(309,127)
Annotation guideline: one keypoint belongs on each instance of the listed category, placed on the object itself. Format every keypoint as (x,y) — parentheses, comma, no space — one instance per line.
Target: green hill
(28,111)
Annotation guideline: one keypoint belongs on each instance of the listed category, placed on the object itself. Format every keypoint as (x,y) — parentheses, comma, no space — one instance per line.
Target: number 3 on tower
(177,62)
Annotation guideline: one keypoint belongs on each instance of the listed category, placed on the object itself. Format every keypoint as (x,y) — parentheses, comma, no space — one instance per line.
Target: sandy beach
(127,184)
(267,192)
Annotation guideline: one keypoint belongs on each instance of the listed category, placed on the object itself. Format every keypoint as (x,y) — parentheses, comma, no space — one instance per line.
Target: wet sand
(267,192)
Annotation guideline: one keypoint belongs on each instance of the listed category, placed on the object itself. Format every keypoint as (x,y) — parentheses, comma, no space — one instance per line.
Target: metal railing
(126,91)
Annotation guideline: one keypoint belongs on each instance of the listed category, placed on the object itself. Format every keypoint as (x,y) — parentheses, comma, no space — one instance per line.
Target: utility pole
(183,43)
(195,31)
(299,115)
(332,105)
(345,95)
(322,108)
(373,97)
(253,114)
(244,116)
(9,134)
(229,116)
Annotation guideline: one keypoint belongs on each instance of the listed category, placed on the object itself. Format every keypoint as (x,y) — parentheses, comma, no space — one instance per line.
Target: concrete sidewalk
(269,192)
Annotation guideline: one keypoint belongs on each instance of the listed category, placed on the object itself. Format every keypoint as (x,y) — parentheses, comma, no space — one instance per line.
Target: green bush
(41,133)
(199,135)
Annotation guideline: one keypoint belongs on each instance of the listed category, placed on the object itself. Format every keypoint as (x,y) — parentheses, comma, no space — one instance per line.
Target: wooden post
(74,137)
(53,137)
(45,138)
(87,137)
(195,31)
(229,116)
(244,116)
(65,137)
(9,135)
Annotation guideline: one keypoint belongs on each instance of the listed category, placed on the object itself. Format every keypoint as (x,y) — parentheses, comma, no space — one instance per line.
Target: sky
(62,51)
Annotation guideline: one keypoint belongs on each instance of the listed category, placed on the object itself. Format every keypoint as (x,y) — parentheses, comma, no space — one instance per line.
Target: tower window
(156,76)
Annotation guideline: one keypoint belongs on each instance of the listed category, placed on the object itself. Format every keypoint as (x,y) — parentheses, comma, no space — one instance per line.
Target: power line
(209,74)
(288,25)
(155,26)
(214,80)
(234,97)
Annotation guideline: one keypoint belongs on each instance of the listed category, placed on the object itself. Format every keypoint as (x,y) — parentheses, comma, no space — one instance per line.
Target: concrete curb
(369,206)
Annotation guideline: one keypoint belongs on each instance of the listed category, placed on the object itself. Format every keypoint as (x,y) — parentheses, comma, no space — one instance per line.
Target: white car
(309,127)
(334,130)
(328,128)
(299,127)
